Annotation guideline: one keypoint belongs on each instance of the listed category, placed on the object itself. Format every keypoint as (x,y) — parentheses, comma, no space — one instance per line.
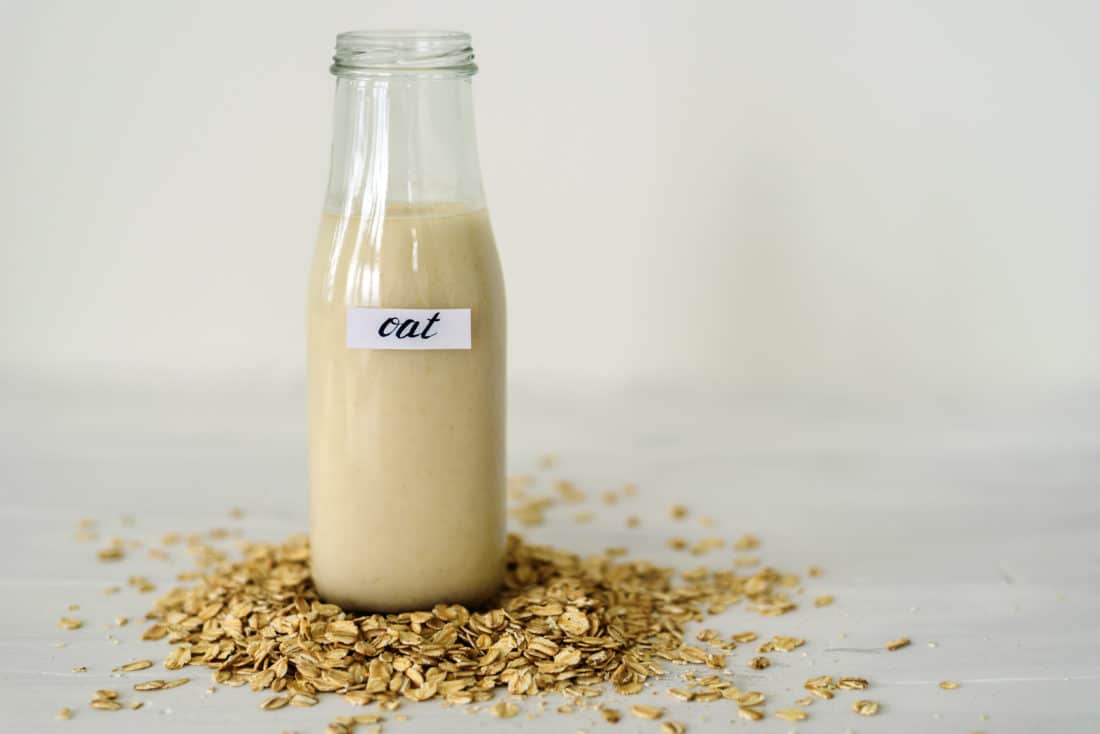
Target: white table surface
(973,526)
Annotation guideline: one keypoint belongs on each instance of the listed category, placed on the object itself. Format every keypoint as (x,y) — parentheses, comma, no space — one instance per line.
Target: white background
(793,195)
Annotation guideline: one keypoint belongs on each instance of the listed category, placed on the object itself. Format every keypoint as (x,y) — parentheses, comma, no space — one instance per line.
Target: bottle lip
(403,52)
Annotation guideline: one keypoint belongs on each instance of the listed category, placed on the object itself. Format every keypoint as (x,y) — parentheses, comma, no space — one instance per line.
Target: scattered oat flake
(135,705)
(569,492)
(804,701)
(110,554)
(367,718)
(746,542)
(106,693)
(781,644)
(504,710)
(106,704)
(948,685)
(865,708)
(673,727)
(678,512)
(611,716)
(759,663)
(122,621)
(64,713)
(68,623)
(135,665)
(791,714)
(751,698)
(80,668)
(707,635)
(647,712)
(824,600)
(149,685)
(898,643)
(706,545)
(815,572)
(852,684)
(275,702)
(751,714)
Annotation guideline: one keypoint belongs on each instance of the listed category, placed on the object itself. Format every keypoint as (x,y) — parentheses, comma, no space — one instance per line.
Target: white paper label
(408,328)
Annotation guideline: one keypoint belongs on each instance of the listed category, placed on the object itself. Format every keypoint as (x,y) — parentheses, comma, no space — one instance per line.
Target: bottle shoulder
(429,255)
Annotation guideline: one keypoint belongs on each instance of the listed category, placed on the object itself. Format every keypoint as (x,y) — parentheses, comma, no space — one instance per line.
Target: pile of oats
(563,623)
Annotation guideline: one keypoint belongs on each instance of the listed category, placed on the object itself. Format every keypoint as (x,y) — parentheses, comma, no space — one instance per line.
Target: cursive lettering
(409,328)
(431,322)
(391,320)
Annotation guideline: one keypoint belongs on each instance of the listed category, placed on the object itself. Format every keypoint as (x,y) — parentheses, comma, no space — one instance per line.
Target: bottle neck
(403,140)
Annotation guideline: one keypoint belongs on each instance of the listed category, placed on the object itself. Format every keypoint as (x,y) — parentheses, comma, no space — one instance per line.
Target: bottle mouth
(403,53)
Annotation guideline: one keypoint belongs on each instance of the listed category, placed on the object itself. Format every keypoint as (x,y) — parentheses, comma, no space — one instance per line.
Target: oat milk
(407,445)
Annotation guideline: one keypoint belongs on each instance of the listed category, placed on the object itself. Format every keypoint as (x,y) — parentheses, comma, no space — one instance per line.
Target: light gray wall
(888,195)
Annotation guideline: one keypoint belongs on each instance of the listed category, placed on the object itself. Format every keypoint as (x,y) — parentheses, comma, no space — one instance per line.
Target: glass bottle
(406,337)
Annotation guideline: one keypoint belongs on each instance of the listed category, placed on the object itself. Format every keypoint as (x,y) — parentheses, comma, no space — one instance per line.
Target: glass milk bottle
(406,337)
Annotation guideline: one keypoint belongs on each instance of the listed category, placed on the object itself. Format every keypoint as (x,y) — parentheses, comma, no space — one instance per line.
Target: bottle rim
(403,52)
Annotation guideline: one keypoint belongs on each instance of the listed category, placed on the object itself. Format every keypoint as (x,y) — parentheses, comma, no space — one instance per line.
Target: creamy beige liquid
(407,447)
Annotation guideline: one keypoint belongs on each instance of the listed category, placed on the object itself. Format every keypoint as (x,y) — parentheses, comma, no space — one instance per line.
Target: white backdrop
(879,195)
